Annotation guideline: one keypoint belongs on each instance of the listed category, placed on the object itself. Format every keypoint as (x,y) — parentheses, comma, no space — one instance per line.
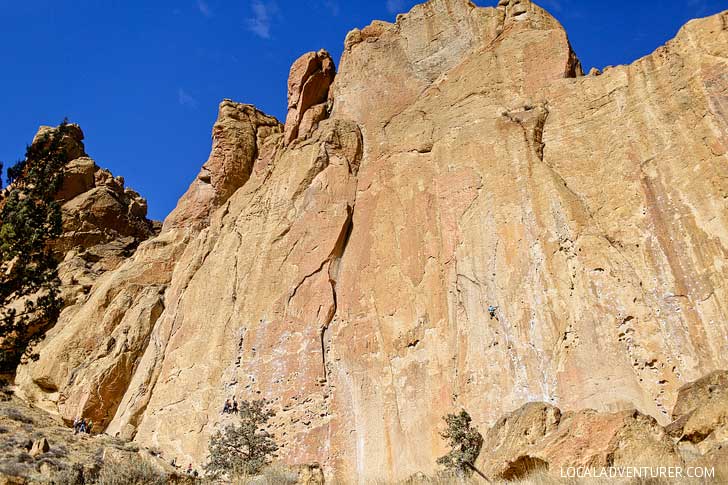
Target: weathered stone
(537,438)
(595,72)
(308,88)
(310,474)
(701,415)
(39,447)
(71,143)
(346,273)
(78,177)
(312,117)
(240,135)
(694,394)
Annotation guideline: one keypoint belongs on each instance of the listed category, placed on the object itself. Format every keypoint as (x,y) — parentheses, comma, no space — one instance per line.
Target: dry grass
(271,475)
(131,472)
(70,454)
(72,475)
(16,415)
(72,458)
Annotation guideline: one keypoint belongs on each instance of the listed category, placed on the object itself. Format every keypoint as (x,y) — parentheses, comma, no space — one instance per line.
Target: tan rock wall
(466,163)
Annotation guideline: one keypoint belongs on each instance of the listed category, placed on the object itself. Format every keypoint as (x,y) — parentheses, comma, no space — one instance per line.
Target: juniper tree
(30,218)
(465,442)
(246,447)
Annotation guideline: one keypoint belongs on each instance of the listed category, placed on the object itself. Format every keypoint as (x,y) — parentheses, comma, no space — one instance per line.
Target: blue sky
(143,78)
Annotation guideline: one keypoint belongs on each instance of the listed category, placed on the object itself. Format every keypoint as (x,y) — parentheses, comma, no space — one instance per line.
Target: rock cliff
(102,220)
(343,265)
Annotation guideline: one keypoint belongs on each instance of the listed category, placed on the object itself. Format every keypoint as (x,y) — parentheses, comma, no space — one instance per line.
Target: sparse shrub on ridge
(16,415)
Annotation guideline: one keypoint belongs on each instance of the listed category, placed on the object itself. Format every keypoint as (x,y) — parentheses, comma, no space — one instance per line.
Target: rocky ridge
(103,220)
(343,265)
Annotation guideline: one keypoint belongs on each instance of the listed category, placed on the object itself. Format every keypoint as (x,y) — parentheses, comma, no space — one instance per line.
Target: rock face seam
(337,256)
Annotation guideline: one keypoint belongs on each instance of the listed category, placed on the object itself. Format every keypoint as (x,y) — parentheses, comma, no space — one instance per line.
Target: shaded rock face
(346,274)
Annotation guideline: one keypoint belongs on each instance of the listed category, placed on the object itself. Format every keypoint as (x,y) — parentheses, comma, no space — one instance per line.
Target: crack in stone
(333,270)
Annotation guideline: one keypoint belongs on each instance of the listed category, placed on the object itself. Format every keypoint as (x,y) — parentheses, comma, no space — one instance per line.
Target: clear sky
(143,78)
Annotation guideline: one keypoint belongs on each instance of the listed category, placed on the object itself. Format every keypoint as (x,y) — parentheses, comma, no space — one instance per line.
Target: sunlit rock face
(459,160)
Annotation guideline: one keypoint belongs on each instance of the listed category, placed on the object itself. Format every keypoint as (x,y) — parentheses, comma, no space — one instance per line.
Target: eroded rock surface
(346,274)
(86,369)
(103,221)
(238,139)
(539,438)
(308,90)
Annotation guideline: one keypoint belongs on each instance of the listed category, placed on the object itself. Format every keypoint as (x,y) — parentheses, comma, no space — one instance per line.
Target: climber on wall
(227,407)
(234,409)
(492,309)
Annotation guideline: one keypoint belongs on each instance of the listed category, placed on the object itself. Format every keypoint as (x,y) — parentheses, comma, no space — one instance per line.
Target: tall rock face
(459,160)
(86,369)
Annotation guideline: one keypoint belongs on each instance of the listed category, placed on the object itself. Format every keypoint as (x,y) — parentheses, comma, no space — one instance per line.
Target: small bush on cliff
(29,219)
(247,447)
(465,442)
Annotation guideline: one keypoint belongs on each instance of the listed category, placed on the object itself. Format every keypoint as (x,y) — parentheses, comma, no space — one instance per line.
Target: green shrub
(30,219)
(465,442)
(244,448)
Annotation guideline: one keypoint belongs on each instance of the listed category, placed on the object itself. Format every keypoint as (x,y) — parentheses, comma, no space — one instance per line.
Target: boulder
(701,416)
(694,395)
(538,438)
(39,447)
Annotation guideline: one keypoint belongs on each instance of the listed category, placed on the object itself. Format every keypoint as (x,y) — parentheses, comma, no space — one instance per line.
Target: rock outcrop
(308,90)
(86,370)
(237,141)
(36,448)
(539,438)
(459,160)
(701,419)
(103,221)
